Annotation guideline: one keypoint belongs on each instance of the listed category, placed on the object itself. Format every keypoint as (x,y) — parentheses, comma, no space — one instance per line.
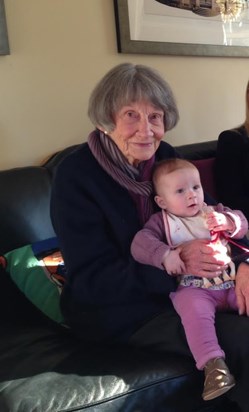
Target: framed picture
(4,43)
(183,27)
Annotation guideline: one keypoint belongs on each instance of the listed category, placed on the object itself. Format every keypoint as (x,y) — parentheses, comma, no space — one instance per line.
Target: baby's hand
(218,221)
(173,263)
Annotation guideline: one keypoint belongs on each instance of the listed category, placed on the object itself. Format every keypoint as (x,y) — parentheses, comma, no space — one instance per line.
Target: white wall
(60,49)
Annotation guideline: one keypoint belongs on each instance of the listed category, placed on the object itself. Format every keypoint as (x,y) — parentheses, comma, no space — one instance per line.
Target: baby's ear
(160,202)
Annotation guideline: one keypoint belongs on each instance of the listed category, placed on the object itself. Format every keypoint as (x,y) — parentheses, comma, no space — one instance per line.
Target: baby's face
(180,192)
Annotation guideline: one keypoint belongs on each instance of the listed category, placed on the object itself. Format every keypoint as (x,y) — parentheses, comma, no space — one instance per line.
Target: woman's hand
(204,259)
(242,288)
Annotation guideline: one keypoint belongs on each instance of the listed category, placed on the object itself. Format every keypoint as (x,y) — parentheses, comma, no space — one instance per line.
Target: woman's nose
(144,127)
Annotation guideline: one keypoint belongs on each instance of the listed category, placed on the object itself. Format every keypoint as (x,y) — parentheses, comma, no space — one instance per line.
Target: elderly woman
(232,166)
(102,195)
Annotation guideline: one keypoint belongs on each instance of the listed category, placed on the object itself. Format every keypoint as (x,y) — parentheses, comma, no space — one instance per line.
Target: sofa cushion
(38,271)
(44,369)
(24,207)
(206,170)
(198,151)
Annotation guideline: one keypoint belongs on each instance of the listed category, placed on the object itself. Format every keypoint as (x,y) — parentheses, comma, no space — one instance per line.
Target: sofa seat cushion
(53,392)
(46,369)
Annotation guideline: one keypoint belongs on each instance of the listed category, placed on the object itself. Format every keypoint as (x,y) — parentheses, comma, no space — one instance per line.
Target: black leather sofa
(43,368)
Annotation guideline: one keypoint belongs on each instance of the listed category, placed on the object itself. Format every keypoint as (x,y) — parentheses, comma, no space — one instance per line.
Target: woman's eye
(131,115)
(156,117)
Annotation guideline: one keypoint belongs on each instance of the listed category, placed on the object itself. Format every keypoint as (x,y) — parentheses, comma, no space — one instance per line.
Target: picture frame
(130,16)
(4,42)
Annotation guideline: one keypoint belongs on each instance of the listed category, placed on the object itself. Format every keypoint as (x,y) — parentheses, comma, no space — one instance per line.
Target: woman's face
(138,131)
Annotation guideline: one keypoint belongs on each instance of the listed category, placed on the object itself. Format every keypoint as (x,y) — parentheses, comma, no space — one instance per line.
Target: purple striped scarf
(136,180)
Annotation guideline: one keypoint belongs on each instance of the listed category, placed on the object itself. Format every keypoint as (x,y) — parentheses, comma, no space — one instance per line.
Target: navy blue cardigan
(107,294)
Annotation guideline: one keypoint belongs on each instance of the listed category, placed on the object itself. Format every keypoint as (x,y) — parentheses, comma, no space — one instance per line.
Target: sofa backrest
(197,151)
(206,170)
(25,203)
(24,207)
(203,156)
(25,195)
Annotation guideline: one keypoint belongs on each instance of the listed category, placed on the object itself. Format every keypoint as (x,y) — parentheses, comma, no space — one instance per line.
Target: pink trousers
(197,307)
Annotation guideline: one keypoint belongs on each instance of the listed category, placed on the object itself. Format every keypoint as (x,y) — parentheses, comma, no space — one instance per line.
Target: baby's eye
(180,191)
(196,187)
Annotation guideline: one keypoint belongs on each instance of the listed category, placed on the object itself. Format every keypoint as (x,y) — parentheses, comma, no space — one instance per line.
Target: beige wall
(60,48)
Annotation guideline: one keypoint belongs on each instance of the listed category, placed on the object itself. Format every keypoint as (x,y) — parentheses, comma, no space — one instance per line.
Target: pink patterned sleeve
(240,221)
(149,244)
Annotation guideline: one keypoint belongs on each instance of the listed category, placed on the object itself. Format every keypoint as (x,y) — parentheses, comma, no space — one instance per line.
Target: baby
(184,216)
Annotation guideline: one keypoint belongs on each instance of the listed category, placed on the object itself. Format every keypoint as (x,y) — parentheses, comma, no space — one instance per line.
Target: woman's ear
(160,202)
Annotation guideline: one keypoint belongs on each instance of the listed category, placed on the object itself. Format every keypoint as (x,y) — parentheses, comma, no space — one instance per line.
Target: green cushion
(38,271)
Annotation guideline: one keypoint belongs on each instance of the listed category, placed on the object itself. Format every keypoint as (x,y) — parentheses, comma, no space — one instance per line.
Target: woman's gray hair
(128,83)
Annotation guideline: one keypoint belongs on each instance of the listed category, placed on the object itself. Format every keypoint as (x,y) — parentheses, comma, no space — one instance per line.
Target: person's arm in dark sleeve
(231,171)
